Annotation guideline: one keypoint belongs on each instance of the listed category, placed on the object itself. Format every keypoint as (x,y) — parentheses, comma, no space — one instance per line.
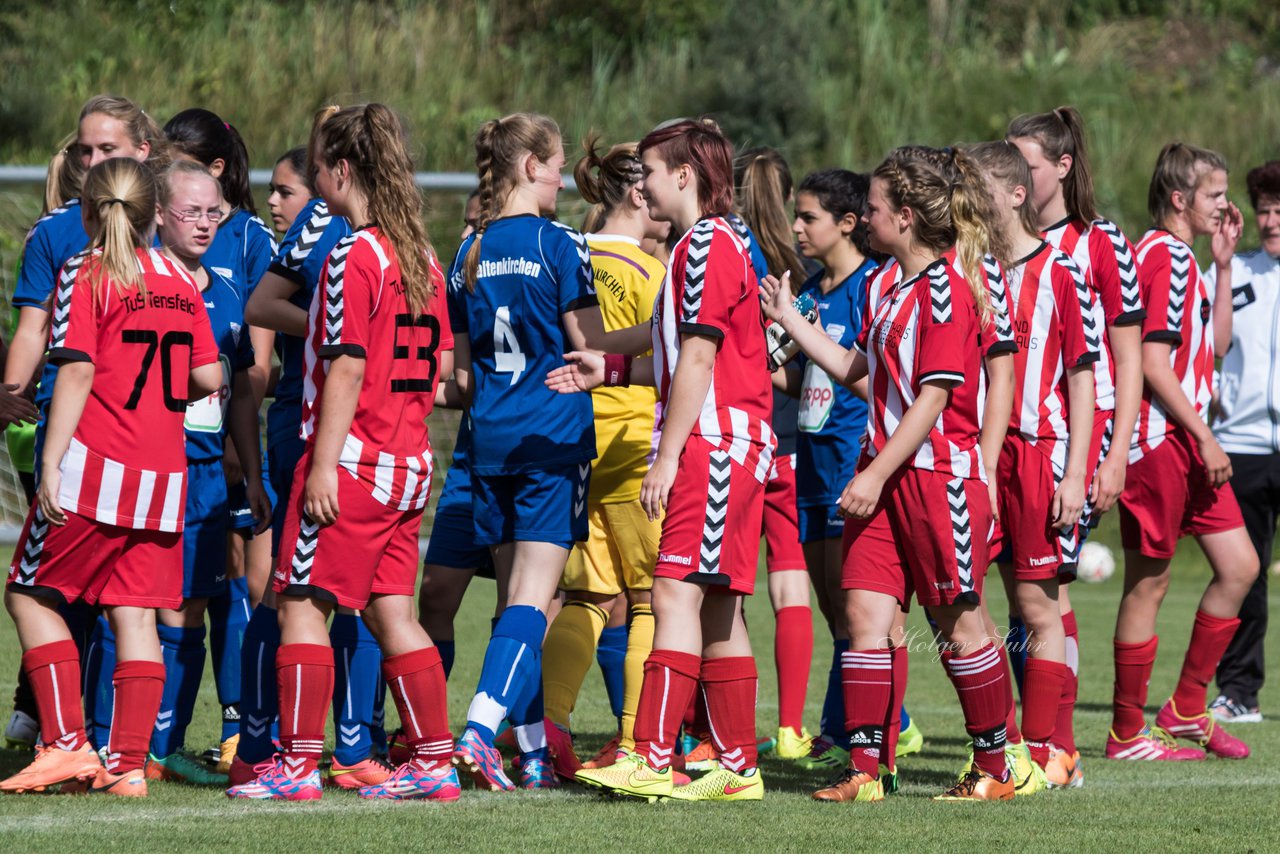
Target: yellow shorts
(619,554)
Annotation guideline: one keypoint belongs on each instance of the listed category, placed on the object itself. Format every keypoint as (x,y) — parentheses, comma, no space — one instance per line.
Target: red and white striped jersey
(360,310)
(996,332)
(711,289)
(916,331)
(1179,312)
(1051,310)
(1105,256)
(127,463)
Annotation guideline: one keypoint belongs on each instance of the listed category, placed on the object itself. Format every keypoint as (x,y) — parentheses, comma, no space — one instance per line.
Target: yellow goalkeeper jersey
(627,282)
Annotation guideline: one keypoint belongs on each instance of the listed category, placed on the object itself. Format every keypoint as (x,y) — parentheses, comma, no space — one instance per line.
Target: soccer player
(828,226)
(133,343)
(19,415)
(280,303)
(188,214)
(290,189)
(920,503)
(520,295)
(378,342)
(1178,473)
(109,126)
(1043,467)
(622,546)
(708,474)
(1053,144)
(763,188)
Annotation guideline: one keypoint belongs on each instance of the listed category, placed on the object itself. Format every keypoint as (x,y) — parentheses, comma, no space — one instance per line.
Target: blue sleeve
(259,252)
(758,262)
(286,262)
(244,352)
(571,259)
(39,270)
(453,290)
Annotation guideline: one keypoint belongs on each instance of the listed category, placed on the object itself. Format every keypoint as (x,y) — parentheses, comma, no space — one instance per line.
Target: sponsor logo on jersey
(683,560)
(1243,296)
(1042,561)
(175,302)
(509,267)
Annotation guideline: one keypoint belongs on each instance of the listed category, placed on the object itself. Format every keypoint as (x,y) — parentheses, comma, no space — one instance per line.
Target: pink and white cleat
(1152,743)
(283,781)
(1202,729)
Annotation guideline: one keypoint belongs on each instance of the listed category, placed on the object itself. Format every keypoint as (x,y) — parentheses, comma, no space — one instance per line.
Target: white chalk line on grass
(49,823)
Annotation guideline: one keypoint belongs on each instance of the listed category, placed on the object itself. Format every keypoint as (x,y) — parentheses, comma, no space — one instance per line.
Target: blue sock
(509,667)
(528,716)
(357,668)
(904,718)
(99,693)
(611,652)
(447,649)
(259,701)
(183,651)
(1015,643)
(228,616)
(832,723)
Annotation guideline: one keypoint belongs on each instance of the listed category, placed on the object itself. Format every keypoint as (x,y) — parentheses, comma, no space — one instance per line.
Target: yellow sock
(639,645)
(567,653)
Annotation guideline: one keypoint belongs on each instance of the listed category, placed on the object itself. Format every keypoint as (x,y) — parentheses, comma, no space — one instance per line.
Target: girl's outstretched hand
(775,296)
(584,371)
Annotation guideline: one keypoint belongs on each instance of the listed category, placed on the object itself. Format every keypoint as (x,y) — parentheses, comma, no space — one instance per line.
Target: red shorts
(1027,484)
(100,564)
(372,548)
(928,536)
(711,533)
(781,519)
(1167,496)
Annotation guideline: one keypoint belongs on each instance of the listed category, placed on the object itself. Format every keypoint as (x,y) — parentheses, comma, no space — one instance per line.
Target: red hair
(703,146)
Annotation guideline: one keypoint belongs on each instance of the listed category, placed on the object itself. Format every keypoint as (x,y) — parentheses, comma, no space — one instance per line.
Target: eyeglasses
(194,215)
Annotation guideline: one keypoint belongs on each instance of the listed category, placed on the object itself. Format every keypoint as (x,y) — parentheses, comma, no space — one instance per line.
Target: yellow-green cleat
(910,740)
(630,776)
(791,744)
(722,785)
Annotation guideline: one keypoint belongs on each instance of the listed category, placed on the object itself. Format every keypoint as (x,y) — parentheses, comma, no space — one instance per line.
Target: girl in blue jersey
(280,303)
(289,189)
(188,215)
(520,295)
(829,206)
(241,252)
(109,126)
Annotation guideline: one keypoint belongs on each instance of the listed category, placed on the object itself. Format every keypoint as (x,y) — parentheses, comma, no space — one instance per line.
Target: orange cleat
(1062,771)
(53,767)
(606,756)
(977,785)
(129,784)
(366,772)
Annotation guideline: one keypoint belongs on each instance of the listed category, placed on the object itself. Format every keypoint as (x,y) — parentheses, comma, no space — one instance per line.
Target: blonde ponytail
(120,194)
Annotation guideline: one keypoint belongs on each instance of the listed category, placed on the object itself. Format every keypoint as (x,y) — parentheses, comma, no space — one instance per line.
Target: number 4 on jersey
(507,355)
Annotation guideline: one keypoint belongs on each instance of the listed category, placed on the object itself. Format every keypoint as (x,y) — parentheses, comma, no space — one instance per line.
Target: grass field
(1215,805)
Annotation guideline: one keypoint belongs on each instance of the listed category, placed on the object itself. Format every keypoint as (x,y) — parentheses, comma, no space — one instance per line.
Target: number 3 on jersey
(508,358)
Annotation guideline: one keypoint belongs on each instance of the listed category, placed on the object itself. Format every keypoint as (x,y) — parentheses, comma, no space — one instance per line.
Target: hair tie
(116,201)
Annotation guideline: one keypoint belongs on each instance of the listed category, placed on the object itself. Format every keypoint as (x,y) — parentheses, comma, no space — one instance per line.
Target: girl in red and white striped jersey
(1178,473)
(378,342)
(133,341)
(1054,145)
(1044,465)
(919,506)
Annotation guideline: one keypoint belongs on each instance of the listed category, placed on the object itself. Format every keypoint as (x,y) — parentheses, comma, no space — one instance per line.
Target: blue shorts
(282,459)
(541,506)
(204,534)
(453,536)
(238,499)
(823,522)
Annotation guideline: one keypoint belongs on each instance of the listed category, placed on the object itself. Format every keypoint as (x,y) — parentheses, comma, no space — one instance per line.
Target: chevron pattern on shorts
(695,271)
(958,507)
(718,476)
(32,551)
(304,550)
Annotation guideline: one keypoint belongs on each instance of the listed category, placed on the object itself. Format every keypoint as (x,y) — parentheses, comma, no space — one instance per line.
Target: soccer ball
(1097,563)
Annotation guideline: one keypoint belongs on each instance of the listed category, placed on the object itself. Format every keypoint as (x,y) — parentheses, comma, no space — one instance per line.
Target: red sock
(304,676)
(1209,640)
(139,687)
(1012,733)
(670,681)
(730,685)
(1041,693)
(867,677)
(416,680)
(54,671)
(1134,662)
(793,655)
(1064,732)
(893,722)
(981,681)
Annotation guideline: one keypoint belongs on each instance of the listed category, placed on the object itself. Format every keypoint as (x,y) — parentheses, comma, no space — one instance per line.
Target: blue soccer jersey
(206,419)
(832,418)
(531,270)
(300,259)
(242,250)
(54,238)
